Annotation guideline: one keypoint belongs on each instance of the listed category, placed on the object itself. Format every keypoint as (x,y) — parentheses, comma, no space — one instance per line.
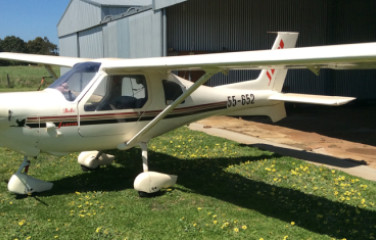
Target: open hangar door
(197,27)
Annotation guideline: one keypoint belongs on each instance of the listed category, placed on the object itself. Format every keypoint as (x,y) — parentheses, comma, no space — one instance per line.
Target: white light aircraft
(103,104)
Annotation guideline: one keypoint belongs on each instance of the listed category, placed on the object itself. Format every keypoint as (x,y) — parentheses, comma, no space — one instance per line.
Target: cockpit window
(118,92)
(74,81)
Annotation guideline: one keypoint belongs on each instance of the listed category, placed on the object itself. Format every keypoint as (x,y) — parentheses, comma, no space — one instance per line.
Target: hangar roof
(114,3)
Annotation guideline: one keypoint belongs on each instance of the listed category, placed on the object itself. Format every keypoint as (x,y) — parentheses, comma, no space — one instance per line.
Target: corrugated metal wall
(159,4)
(79,16)
(145,34)
(239,25)
(110,42)
(353,22)
(135,36)
(91,43)
(68,48)
(106,11)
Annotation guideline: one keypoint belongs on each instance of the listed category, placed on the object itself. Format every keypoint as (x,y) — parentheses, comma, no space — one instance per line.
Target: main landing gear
(93,159)
(21,183)
(148,183)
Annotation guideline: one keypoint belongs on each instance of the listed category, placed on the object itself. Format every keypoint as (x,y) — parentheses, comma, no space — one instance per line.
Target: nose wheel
(22,183)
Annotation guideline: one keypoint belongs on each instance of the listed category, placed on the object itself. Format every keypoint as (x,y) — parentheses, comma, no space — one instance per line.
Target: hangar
(155,28)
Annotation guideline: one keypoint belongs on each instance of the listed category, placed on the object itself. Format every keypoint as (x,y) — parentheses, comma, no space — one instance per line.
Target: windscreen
(72,83)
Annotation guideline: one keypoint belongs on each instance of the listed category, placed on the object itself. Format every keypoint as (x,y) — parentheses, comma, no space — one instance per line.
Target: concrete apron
(351,167)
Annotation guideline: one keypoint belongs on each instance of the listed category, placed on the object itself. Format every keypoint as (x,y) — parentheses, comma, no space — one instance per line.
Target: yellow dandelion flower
(98,230)
(28,237)
(78,193)
(195,224)
(10,203)
(56,236)
(236,230)
(199,208)
(236,221)
(209,213)
(244,227)
(214,216)
(21,223)
(215,222)
(292,223)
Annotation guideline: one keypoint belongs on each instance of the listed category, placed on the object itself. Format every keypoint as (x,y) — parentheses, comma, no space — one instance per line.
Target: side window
(172,91)
(118,92)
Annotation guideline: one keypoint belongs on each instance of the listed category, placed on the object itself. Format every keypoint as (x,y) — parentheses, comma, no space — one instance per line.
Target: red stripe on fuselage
(127,114)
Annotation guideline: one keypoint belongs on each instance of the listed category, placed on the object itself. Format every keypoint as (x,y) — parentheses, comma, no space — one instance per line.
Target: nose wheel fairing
(21,183)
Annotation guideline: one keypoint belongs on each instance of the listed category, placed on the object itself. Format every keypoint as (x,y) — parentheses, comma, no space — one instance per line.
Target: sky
(28,19)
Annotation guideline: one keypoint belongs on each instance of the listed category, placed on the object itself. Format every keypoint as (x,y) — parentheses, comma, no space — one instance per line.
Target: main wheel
(86,169)
(147,195)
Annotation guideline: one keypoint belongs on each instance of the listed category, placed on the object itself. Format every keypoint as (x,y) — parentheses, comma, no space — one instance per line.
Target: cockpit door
(113,106)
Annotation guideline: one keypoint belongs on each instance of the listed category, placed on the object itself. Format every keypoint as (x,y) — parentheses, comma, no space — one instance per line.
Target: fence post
(8,80)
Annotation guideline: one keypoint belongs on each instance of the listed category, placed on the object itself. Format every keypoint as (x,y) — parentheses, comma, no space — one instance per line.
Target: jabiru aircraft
(103,104)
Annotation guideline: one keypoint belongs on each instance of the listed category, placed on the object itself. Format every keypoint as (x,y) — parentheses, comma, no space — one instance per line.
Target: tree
(13,44)
(3,62)
(42,46)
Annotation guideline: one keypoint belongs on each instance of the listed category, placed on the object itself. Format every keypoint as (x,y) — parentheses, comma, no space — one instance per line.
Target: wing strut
(167,110)
(51,71)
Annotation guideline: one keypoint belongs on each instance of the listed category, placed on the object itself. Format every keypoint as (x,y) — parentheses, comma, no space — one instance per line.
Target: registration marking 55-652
(246,99)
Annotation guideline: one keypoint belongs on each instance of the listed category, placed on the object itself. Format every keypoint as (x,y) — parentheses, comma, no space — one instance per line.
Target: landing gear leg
(149,183)
(145,166)
(22,183)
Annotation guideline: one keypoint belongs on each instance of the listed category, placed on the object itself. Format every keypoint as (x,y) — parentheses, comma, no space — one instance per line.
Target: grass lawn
(225,190)
(24,78)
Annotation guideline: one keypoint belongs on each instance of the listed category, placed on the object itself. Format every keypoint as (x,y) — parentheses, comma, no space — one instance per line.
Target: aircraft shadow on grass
(197,175)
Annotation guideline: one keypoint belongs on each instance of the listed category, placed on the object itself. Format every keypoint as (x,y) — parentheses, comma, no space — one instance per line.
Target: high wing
(43,59)
(351,56)
(315,99)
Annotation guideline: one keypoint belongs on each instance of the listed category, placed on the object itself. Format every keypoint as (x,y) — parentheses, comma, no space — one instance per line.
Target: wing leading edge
(351,56)
(43,59)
